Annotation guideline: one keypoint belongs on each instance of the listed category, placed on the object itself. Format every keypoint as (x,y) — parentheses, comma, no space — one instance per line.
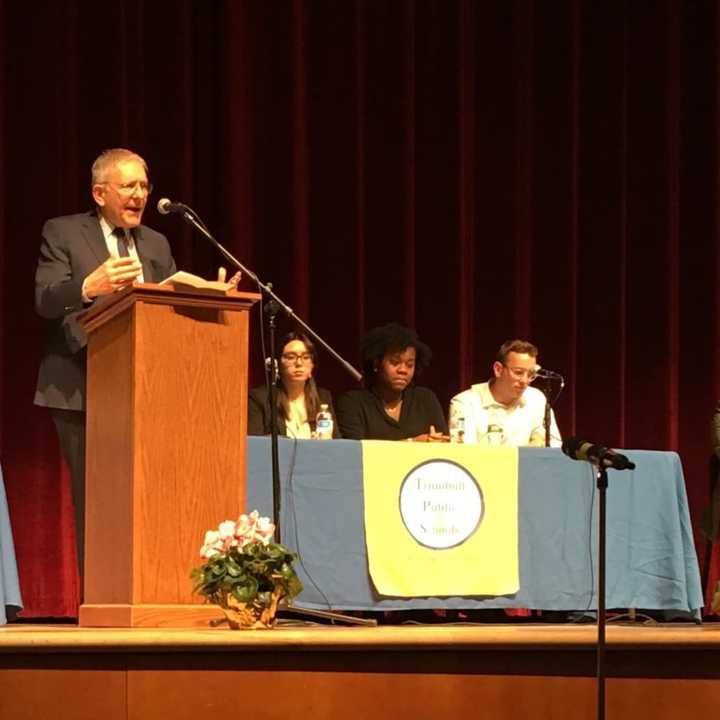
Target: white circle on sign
(441,504)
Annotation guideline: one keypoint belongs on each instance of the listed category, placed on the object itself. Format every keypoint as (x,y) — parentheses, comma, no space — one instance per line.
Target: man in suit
(84,259)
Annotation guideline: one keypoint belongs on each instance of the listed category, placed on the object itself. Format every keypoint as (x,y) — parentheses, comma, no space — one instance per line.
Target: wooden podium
(166,449)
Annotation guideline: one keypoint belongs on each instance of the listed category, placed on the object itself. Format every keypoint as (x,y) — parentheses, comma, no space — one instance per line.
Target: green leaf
(246,593)
(249,574)
(294,587)
(233,569)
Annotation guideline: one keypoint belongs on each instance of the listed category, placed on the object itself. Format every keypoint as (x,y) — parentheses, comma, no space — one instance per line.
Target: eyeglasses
(291,357)
(128,189)
(520,373)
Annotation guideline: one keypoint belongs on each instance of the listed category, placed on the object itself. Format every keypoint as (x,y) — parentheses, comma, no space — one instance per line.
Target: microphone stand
(601,459)
(271,310)
(267,291)
(602,485)
(272,305)
(546,388)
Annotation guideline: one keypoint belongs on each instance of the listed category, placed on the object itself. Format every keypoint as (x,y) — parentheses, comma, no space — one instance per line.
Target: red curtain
(478,170)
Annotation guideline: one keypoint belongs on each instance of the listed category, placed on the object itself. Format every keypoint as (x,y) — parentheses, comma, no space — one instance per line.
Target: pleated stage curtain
(479,170)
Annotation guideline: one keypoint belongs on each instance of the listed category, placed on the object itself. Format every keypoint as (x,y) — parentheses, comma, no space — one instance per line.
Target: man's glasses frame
(129,189)
(519,373)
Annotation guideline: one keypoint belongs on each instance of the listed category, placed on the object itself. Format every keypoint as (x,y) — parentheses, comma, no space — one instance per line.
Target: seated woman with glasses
(505,410)
(392,407)
(298,398)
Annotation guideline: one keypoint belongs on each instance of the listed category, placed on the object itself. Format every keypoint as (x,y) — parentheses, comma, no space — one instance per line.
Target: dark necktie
(122,241)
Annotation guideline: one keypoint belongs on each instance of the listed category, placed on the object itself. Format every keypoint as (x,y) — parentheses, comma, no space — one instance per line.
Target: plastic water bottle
(495,436)
(457,426)
(324,423)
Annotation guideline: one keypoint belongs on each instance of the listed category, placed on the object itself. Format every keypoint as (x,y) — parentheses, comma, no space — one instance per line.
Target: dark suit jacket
(72,247)
(259,413)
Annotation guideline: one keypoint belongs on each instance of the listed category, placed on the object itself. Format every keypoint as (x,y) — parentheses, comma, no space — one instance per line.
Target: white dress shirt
(111,242)
(521,422)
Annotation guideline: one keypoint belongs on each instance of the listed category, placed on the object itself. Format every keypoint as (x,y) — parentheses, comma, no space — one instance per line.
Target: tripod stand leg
(327,615)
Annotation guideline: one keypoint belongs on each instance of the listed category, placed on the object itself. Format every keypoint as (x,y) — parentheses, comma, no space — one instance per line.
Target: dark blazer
(259,413)
(72,247)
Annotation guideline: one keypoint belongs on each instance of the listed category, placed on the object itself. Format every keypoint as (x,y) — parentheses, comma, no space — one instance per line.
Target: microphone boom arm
(191,218)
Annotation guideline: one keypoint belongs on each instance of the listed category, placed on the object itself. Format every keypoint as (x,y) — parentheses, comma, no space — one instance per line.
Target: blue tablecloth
(651,560)
(10,601)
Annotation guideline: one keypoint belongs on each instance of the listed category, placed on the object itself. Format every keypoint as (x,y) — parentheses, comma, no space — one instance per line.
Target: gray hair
(108,159)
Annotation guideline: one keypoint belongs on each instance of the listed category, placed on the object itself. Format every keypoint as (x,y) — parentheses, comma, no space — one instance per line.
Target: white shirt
(111,242)
(519,422)
(297,425)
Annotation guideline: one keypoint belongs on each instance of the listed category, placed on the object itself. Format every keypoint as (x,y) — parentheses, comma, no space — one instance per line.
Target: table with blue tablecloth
(10,601)
(651,559)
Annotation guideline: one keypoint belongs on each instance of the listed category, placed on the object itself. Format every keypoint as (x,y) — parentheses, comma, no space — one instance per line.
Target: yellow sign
(441,520)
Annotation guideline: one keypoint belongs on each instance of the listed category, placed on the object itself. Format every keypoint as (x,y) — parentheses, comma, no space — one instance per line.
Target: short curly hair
(391,338)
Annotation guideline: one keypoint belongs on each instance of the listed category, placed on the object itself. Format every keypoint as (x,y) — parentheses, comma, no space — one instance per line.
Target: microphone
(549,374)
(596,454)
(271,366)
(166,206)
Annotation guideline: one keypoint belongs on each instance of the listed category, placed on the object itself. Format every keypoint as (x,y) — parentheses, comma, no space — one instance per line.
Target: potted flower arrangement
(244,572)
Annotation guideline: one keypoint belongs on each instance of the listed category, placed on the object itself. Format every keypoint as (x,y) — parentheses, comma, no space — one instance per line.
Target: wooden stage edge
(294,636)
(499,671)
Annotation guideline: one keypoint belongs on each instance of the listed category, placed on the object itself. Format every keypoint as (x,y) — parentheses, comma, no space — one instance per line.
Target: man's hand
(234,280)
(113,275)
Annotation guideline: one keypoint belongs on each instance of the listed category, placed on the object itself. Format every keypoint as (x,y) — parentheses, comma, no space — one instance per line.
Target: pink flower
(211,537)
(226,531)
(207,552)
(245,530)
(264,530)
(212,545)
(246,523)
(253,528)
(248,529)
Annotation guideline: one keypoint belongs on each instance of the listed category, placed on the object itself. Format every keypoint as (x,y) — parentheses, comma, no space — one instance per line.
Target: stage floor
(310,637)
(425,671)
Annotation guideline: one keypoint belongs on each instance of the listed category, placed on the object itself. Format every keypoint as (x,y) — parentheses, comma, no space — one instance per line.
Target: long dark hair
(312,399)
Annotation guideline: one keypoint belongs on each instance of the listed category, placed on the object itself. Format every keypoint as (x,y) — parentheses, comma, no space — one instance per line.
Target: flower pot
(250,616)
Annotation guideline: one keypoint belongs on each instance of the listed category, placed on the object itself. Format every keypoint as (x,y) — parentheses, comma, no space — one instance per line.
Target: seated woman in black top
(298,398)
(391,407)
